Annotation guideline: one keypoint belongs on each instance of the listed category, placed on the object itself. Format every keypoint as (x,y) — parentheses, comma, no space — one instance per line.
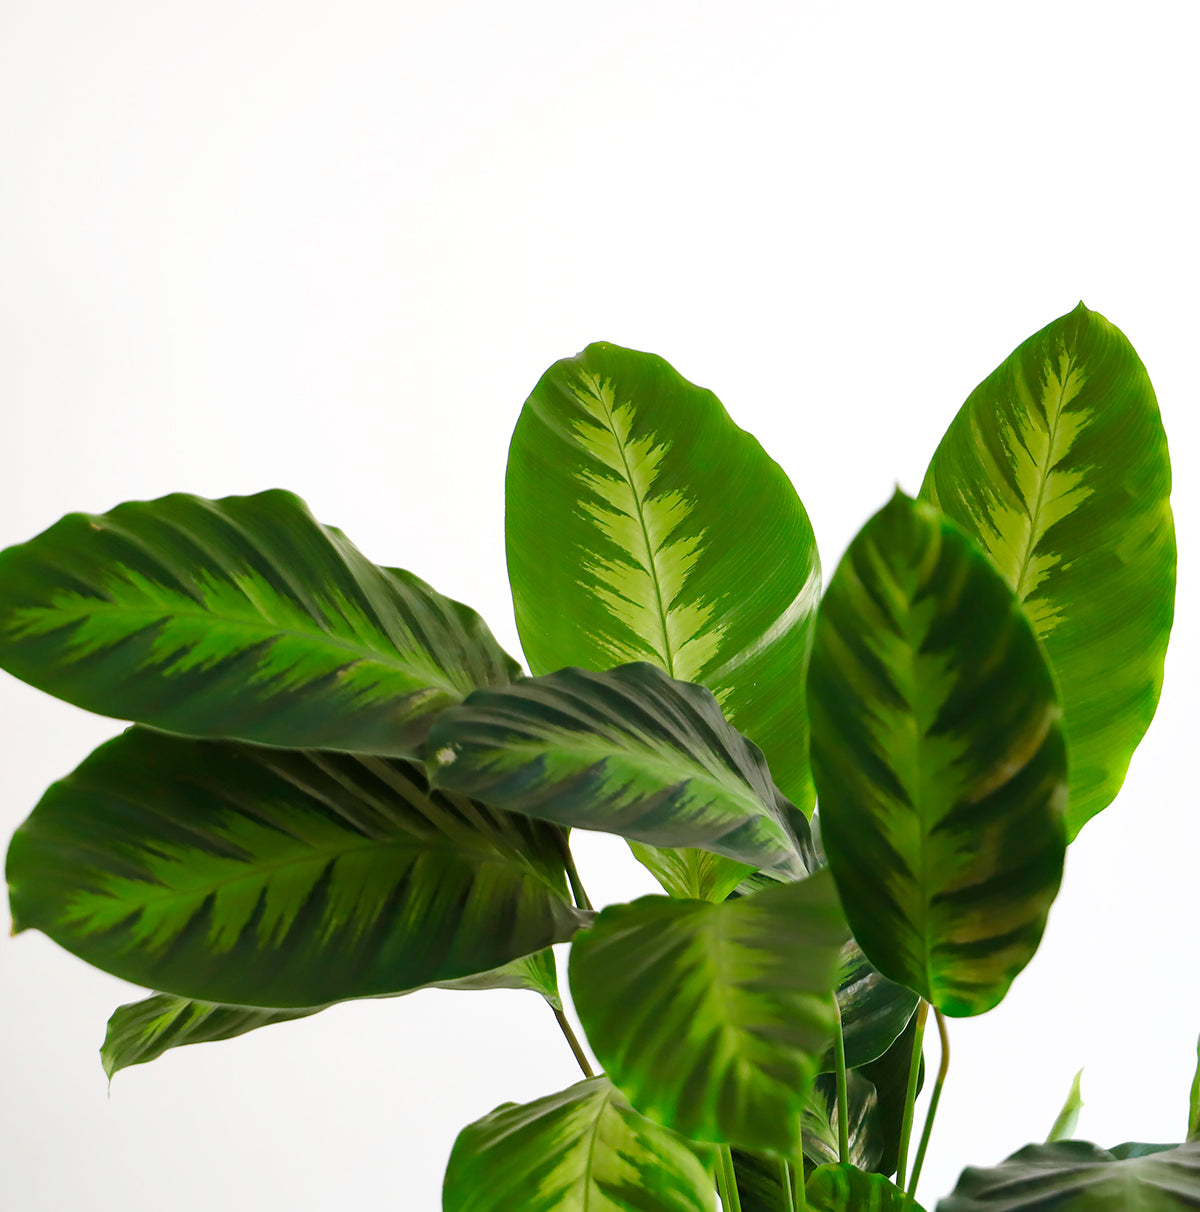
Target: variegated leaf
(1057,467)
(844,1188)
(241,618)
(939,760)
(264,877)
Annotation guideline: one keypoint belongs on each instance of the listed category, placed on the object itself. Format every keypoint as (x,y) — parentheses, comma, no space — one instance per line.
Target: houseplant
(338,785)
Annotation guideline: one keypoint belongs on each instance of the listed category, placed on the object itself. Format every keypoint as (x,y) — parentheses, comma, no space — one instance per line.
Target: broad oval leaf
(1057,466)
(630,751)
(844,1188)
(938,758)
(643,525)
(711,1017)
(241,618)
(265,877)
(1074,1176)
(874,1010)
(582,1150)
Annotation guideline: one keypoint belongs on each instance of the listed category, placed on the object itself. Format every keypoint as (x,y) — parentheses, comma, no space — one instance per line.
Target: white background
(332,247)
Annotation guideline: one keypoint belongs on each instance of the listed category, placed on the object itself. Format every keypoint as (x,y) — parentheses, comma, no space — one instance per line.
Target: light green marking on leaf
(642,593)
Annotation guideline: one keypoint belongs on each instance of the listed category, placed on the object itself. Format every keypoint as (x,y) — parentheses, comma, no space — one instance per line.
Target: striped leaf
(143,1031)
(279,879)
(1073,1176)
(644,525)
(582,1150)
(838,1188)
(821,1119)
(760,1182)
(938,758)
(1057,467)
(631,752)
(709,1017)
(874,1010)
(241,618)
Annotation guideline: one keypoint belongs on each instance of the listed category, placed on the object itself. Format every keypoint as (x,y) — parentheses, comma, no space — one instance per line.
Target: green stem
(839,1044)
(581,897)
(933,1103)
(785,1180)
(914,1068)
(573,1040)
(731,1201)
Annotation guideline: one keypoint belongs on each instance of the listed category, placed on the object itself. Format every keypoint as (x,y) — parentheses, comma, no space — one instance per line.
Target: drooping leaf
(820,1122)
(874,1010)
(711,1017)
(582,1150)
(240,618)
(836,1188)
(273,878)
(889,1076)
(1073,1176)
(1057,466)
(1064,1126)
(939,760)
(630,751)
(535,972)
(644,525)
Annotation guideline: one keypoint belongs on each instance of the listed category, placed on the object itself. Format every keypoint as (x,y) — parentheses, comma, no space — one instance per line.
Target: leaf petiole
(573,1041)
(839,1042)
(910,1099)
(933,1102)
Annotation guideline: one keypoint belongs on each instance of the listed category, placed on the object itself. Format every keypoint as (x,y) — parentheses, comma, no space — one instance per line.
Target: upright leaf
(711,1017)
(263,877)
(644,525)
(938,758)
(1194,1102)
(630,751)
(582,1150)
(239,618)
(1064,1126)
(1057,466)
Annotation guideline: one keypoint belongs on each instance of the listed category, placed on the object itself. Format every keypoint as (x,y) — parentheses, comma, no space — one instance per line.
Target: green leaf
(1057,466)
(874,1010)
(644,525)
(264,877)
(1194,1108)
(889,1076)
(939,760)
(630,751)
(582,1150)
(847,1189)
(759,1182)
(1073,1176)
(1068,1118)
(239,618)
(535,972)
(696,874)
(711,1017)
(821,1118)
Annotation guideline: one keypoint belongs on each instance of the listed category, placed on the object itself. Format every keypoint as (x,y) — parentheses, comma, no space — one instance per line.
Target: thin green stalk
(914,1068)
(785,1181)
(839,1044)
(573,1040)
(577,891)
(933,1103)
(731,1201)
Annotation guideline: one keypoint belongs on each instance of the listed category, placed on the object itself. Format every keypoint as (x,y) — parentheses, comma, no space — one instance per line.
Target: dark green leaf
(630,751)
(238,618)
(874,1010)
(847,1189)
(759,1182)
(644,525)
(1057,466)
(265,877)
(938,758)
(1068,1118)
(821,1119)
(1073,1176)
(711,1017)
(889,1076)
(583,1150)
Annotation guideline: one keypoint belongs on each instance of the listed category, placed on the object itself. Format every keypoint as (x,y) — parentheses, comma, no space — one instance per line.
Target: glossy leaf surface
(836,1188)
(1073,1176)
(582,1150)
(1057,467)
(630,751)
(644,525)
(712,1017)
(263,877)
(238,618)
(874,1010)
(822,1116)
(939,760)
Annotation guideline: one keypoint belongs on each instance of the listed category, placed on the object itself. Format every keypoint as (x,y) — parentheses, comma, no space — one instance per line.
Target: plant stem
(573,1040)
(785,1180)
(839,1044)
(933,1102)
(731,1201)
(580,896)
(910,1099)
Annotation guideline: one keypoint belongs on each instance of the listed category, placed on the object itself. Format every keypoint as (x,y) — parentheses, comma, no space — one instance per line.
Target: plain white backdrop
(331,247)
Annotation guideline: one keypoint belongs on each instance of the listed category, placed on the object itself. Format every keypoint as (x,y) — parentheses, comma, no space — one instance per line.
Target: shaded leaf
(265,877)
(644,525)
(837,1188)
(1057,466)
(711,1017)
(582,1150)
(821,1118)
(759,1182)
(241,618)
(938,758)
(889,1076)
(1068,1118)
(874,1010)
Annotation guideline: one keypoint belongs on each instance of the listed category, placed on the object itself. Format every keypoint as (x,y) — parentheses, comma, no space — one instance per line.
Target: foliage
(337,785)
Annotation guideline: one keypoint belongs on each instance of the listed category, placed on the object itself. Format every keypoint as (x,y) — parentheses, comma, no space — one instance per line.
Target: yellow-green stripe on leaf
(1057,466)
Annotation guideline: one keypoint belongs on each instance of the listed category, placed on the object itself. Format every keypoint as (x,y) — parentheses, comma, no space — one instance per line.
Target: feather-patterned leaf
(1057,466)
(263,877)
(241,618)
